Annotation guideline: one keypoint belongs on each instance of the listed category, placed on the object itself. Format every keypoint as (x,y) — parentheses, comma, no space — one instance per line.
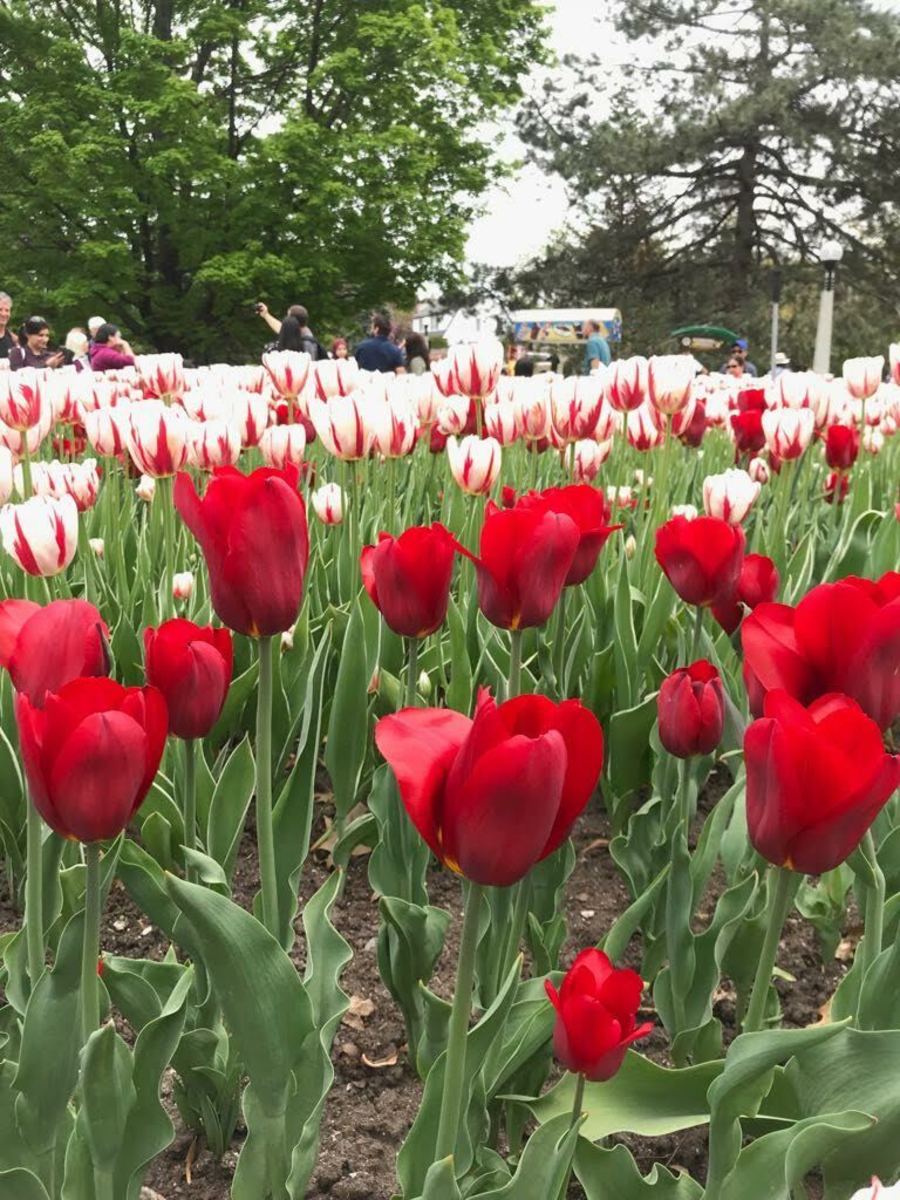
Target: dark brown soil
(376,1094)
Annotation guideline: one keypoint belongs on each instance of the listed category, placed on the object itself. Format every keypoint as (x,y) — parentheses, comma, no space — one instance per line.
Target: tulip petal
(496,826)
(63,641)
(13,615)
(420,744)
(96,776)
(772,651)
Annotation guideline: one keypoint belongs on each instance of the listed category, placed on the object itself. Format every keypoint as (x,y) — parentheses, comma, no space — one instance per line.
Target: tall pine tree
(739,136)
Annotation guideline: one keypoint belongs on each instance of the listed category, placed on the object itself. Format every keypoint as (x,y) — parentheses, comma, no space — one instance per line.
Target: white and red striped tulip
(730,496)
(157,437)
(289,371)
(873,440)
(283,444)
(453,414)
(328,504)
(183,585)
(863,376)
(788,430)
(643,427)
(685,510)
(24,403)
(41,533)
(758,470)
(161,375)
(575,403)
(395,424)
(445,376)
(670,381)
(106,429)
(590,456)
(250,413)
(335,377)
(500,421)
(212,444)
(626,383)
(796,389)
(477,367)
(80,480)
(534,414)
(474,463)
(877,1191)
(7,477)
(342,425)
(146,488)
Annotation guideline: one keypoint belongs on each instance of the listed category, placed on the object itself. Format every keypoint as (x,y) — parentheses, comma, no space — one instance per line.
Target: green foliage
(169,165)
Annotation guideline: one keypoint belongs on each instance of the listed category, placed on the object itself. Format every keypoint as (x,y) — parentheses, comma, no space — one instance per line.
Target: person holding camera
(293,332)
(33,348)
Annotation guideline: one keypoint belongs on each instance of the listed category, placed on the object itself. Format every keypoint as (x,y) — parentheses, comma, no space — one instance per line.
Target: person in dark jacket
(7,339)
(377,352)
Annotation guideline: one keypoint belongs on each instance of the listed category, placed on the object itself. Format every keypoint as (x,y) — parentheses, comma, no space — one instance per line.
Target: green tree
(739,136)
(169,164)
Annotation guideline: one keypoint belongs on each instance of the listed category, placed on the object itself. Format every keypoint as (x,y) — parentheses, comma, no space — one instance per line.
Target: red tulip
(191,666)
(252,531)
(90,754)
(494,795)
(596,1011)
(46,647)
(841,446)
(701,558)
(748,431)
(526,554)
(841,637)
(408,578)
(816,780)
(588,509)
(691,709)
(758,584)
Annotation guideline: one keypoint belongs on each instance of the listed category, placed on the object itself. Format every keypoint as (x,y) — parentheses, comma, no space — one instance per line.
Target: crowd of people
(100,346)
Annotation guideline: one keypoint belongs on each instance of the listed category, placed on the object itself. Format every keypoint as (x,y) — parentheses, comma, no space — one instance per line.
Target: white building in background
(453,325)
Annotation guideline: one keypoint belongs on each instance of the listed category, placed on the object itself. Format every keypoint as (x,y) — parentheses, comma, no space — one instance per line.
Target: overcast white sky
(525,209)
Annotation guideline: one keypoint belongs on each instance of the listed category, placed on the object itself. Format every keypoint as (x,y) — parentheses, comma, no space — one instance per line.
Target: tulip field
(449,787)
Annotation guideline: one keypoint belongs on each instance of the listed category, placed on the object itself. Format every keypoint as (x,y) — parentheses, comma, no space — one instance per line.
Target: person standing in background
(377,352)
(740,350)
(93,325)
(596,350)
(7,339)
(77,349)
(418,356)
(339,348)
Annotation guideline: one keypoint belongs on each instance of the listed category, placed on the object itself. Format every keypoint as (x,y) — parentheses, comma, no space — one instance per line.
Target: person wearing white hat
(93,325)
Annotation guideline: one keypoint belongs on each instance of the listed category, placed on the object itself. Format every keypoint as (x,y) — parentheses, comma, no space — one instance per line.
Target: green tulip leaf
(605,1174)
(641,1098)
(348,725)
(228,808)
(544,1165)
(19,1184)
(107,1095)
(263,1001)
(48,1061)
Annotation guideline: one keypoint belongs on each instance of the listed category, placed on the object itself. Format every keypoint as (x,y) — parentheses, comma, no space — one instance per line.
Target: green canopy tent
(705,337)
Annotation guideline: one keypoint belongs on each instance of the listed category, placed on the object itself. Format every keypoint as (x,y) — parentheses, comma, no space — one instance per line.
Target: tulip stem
(455,1061)
(264,833)
(85,551)
(559,643)
(34,896)
(515,664)
(412,666)
(698,632)
(783,886)
(90,996)
(189,805)
(164,490)
(577,1109)
(874,938)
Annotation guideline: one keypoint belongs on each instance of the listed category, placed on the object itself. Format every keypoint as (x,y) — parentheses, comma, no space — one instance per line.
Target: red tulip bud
(691,708)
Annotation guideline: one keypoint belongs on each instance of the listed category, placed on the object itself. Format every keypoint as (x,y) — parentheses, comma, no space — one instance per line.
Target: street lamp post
(775,281)
(830,255)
